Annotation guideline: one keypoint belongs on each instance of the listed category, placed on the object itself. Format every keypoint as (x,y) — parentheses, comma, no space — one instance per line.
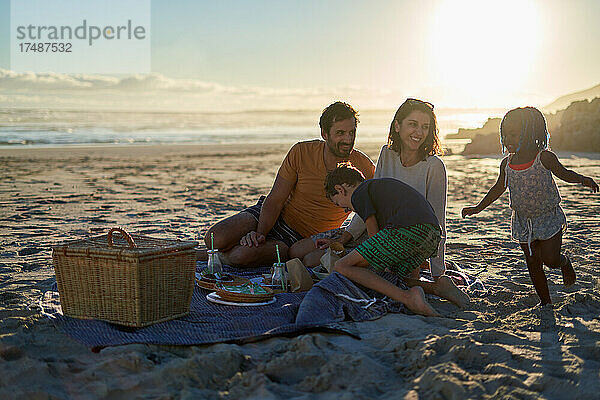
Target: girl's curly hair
(534,132)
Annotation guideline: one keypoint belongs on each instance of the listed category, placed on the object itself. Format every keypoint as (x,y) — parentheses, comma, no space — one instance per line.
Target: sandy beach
(502,346)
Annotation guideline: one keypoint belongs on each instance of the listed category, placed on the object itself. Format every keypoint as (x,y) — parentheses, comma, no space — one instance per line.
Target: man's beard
(338,152)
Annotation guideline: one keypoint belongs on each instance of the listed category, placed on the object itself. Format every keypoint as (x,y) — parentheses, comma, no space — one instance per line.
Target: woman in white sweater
(411,155)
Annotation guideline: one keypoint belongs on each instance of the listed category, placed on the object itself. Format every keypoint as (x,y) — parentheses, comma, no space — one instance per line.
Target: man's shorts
(401,249)
(280,231)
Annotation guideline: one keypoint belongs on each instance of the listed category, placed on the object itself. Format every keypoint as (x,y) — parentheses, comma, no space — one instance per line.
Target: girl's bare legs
(535,266)
(547,252)
(354,267)
(568,273)
(552,257)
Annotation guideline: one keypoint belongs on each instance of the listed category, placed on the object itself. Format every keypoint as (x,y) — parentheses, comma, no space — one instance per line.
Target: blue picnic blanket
(331,305)
(337,298)
(206,323)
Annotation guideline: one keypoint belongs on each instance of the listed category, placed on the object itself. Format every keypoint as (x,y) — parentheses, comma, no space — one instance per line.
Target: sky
(301,54)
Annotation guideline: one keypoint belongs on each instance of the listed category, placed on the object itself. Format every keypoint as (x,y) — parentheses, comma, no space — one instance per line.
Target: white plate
(215,298)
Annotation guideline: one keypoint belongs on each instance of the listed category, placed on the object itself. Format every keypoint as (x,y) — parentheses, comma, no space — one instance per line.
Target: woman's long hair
(432,144)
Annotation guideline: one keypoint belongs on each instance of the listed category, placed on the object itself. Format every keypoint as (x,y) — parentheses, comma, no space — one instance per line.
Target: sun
(485,45)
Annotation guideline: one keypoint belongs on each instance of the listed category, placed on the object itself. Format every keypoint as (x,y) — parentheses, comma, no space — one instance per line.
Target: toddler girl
(538,220)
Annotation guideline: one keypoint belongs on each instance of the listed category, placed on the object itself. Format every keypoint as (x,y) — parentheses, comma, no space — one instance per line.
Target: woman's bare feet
(416,302)
(446,289)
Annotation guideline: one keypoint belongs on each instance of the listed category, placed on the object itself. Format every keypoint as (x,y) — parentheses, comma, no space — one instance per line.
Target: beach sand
(502,346)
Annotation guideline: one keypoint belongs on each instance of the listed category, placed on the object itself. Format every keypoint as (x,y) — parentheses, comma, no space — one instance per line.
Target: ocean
(55,128)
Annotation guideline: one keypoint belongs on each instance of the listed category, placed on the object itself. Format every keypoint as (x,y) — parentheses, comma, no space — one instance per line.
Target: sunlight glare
(485,45)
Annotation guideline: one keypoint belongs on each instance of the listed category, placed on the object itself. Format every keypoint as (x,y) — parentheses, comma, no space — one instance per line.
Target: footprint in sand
(27,251)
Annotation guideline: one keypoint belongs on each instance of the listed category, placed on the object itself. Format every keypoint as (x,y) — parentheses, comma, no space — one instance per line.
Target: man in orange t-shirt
(296,207)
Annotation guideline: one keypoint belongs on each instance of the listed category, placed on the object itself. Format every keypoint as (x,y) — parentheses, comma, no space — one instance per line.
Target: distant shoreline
(229,149)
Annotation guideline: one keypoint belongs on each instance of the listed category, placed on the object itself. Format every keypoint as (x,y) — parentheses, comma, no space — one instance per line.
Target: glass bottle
(214,263)
(279,276)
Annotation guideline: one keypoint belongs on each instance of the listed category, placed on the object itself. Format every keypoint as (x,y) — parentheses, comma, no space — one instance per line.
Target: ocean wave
(41,126)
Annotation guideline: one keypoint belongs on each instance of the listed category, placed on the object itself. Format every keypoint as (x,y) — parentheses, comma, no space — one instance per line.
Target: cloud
(10,80)
(158,92)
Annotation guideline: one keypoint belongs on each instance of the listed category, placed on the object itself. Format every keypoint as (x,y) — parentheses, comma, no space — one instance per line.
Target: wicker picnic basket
(130,280)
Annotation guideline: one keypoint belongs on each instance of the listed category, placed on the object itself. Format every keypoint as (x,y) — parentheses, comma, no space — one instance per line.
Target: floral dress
(535,201)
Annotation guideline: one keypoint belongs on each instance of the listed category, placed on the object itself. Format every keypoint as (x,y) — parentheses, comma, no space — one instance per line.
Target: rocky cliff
(577,128)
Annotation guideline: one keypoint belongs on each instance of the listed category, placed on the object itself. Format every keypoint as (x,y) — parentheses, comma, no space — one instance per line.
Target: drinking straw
(211,262)
(277,250)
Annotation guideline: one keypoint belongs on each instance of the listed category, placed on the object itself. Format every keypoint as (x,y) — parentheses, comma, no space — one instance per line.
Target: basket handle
(126,235)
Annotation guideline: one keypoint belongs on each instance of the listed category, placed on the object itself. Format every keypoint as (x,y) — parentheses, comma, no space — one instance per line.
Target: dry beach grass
(502,346)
